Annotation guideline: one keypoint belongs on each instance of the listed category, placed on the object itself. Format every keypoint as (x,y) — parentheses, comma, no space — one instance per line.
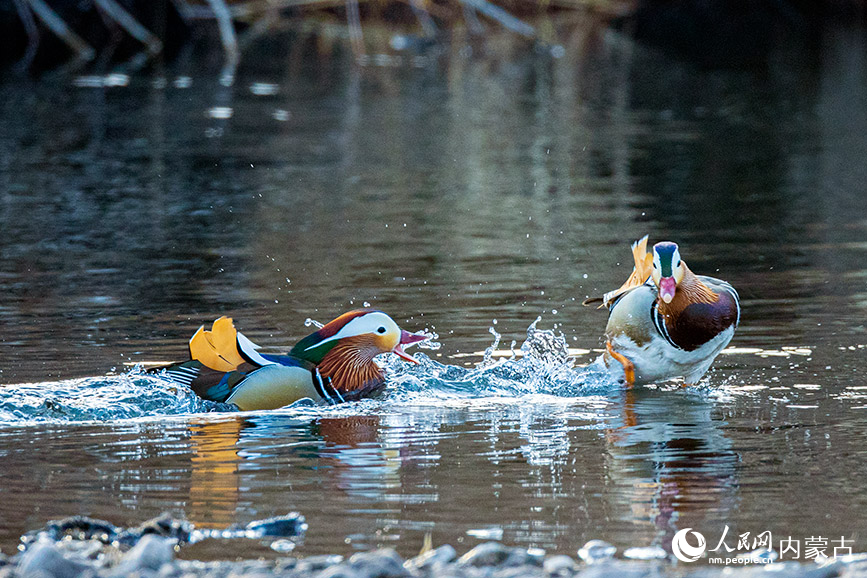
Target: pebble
(596,550)
(560,565)
(80,553)
(313,564)
(432,559)
(487,554)
(645,553)
(291,524)
(150,553)
(520,572)
(45,560)
(384,563)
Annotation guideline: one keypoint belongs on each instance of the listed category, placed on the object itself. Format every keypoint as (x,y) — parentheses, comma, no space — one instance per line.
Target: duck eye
(381,330)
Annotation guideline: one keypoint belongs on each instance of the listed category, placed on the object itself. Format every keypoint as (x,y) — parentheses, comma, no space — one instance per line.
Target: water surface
(467,190)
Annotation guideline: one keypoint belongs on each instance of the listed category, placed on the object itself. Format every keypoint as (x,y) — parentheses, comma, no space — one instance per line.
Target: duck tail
(217,348)
(639,276)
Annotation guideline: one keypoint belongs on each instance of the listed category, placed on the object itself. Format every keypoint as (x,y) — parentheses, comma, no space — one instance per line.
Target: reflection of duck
(671,464)
(214,478)
(665,321)
(333,364)
(350,454)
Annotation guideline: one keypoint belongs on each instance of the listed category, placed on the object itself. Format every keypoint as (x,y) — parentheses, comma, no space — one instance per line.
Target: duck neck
(690,290)
(349,365)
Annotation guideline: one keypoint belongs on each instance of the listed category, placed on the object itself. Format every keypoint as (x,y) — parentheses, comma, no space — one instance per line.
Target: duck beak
(407,338)
(667,287)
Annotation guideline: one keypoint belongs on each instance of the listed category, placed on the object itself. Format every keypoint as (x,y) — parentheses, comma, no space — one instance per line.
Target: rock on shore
(153,557)
(81,547)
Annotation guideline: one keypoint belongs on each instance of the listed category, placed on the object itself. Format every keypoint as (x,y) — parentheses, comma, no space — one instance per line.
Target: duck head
(344,348)
(668,269)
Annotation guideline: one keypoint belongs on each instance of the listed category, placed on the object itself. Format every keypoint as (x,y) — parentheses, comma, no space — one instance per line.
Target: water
(464,191)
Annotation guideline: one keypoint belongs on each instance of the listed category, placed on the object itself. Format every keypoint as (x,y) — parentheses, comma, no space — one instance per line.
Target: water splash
(544,368)
(431,342)
(130,395)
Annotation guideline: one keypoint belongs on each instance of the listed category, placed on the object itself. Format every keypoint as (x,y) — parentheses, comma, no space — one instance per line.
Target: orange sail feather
(217,348)
(640,273)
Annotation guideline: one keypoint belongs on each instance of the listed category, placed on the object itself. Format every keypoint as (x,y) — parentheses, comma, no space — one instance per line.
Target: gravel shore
(85,548)
(153,557)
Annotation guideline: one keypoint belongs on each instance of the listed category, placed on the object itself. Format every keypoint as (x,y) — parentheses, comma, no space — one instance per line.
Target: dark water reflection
(451,194)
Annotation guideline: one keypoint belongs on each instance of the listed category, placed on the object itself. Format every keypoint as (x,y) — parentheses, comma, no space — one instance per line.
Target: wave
(541,367)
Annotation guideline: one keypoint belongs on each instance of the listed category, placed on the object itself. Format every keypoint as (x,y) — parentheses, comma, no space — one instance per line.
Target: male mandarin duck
(332,365)
(666,321)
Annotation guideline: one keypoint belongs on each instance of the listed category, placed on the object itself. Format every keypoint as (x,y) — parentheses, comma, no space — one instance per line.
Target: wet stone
(596,550)
(151,553)
(432,558)
(645,553)
(340,571)
(487,554)
(384,563)
(291,524)
(619,569)
(523,571)
(314,564)
(164,525)
(560,565)
(45,560)
(74,527)
(496,554)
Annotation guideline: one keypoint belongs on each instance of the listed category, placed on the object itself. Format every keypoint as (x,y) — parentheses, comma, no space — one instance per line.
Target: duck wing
(639,276)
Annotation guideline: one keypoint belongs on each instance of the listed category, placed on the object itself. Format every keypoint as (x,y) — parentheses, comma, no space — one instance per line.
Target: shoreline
(154,555)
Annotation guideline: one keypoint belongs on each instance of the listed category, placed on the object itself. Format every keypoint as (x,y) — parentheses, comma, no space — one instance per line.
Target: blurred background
(467,166)
(41,35)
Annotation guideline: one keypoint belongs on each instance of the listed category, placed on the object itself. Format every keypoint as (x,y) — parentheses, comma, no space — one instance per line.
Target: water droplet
(264,88)
(221,112)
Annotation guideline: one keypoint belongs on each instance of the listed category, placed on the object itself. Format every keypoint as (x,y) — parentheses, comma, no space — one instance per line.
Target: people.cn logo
(682,549)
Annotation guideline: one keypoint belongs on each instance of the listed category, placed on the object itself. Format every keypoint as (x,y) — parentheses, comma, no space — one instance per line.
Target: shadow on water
(484,185)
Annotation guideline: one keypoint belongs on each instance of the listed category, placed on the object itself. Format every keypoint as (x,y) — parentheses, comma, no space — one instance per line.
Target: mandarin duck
(665,321)
(331,365)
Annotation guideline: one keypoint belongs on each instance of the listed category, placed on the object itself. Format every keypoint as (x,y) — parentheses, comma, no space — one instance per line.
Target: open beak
(407,338)
(667,286)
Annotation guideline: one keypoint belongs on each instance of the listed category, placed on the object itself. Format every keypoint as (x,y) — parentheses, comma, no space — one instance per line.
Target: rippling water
(464,192)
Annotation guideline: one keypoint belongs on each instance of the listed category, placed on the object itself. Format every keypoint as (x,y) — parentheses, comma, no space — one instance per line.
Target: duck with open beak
(407,339)
(332,365)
